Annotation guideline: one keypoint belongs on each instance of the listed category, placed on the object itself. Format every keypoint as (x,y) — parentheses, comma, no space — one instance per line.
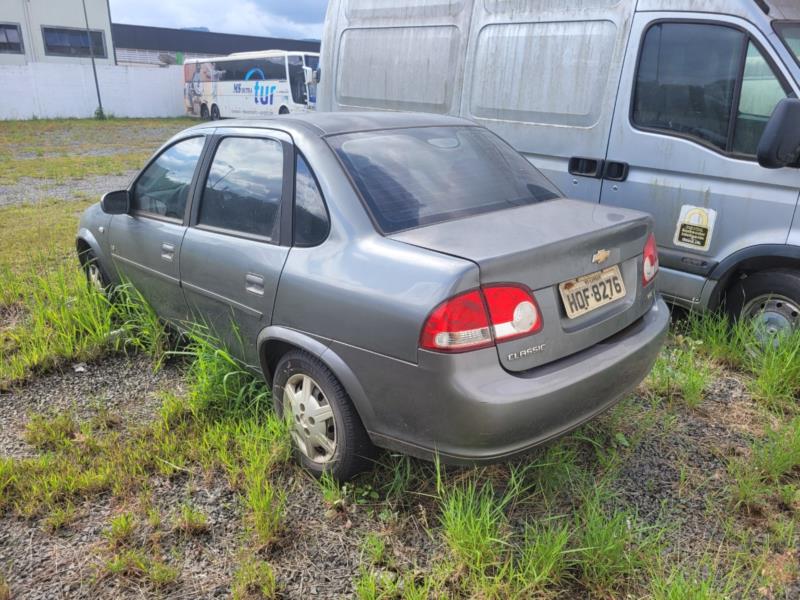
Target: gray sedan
(401,280)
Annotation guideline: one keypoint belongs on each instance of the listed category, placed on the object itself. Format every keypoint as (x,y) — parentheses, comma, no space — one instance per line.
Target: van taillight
(650,260)
(479,318)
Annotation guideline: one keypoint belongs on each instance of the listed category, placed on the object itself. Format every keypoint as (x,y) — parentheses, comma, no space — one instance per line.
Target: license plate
(587,293)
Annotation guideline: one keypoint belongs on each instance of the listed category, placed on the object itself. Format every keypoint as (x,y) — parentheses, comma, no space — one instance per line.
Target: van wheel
(283,110)
(204,112)
(327,433)
(214,112)
(770,298)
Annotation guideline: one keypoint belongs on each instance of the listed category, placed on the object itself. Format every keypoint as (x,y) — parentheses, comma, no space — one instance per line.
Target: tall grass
(773,362)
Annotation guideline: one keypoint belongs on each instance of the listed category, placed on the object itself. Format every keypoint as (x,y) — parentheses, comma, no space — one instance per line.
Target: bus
(251,84)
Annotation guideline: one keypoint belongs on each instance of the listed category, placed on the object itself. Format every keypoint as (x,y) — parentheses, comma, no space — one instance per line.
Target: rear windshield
(790,33)
(423,175)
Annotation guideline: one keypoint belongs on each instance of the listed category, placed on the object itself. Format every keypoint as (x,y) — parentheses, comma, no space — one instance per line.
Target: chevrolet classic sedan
(404,281)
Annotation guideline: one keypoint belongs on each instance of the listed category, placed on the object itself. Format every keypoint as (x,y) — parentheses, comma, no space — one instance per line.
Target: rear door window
(163,187)
(706,82)
(423,175)
(243,189)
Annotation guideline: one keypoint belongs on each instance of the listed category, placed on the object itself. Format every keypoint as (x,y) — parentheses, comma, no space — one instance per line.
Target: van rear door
(684,139)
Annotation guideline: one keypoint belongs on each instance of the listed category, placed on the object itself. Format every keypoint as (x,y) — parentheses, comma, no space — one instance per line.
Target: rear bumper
(467,409)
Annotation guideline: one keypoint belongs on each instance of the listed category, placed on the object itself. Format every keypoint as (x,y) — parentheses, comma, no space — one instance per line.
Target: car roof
(334,123)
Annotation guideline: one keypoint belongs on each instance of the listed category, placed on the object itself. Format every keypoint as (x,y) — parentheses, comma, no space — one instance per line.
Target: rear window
(419,176)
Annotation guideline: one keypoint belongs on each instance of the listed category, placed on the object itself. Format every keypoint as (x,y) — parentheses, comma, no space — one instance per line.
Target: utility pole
(91,54)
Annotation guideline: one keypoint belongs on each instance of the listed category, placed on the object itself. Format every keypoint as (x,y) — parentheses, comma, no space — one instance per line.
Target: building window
(10,39)
(61,41)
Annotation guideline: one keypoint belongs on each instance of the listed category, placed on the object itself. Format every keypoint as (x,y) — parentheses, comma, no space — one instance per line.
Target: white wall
(48,90)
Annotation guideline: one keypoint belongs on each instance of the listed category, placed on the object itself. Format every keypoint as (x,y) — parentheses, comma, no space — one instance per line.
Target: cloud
(272,18)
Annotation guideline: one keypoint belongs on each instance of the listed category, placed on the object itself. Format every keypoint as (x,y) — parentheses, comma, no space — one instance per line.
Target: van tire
(215,116)
(353,451)
(775,292)
(204,112)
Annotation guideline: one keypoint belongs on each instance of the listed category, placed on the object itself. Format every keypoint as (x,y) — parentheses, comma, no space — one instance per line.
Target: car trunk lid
(542,246)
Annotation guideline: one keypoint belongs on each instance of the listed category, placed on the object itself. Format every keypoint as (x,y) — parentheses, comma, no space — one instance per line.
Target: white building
(55,31)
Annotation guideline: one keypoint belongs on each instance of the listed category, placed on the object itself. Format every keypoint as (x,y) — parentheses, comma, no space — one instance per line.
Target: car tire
(95,275)
(204,112)
(283,110)
(215,116)
(771,296)
(306,387)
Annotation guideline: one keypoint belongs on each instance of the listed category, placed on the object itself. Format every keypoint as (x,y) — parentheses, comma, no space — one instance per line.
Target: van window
(687,78)
(422,175)
(790,34)
(761,91)
(687,82)
(243,188)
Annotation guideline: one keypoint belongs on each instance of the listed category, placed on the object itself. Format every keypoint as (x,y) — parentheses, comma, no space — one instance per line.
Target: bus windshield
(790,34)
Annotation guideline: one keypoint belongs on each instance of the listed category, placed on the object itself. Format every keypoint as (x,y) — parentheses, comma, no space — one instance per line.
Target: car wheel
(770,298)
(215,112)
(283,110)
(327,433)
(204,112)
(95,276)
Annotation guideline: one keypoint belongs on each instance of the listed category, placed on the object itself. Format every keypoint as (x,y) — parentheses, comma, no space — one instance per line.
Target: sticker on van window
(695,226)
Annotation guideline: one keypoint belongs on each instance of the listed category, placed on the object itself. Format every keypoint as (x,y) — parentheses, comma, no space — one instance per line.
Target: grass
(191,520)
(680,372)
(758,476)
(254,578)
(47,149)
(5,589)
(121,530)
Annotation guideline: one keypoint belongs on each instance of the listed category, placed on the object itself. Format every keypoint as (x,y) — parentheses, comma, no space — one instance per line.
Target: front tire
(327,433)
(770,298)
(215,116)
(95,276)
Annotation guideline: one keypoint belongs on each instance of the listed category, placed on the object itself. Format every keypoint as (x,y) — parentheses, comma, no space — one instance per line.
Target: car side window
(311,222)
(163,187)
(761,92)
(244,187)
(687,84)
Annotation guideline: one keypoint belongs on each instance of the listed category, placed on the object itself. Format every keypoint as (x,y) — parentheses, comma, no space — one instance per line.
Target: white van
(250,84)
(658,105)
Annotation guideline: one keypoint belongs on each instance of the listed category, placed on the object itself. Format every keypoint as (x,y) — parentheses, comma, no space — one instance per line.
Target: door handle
(167,251)
(616,171)
(586,167)
(254,284)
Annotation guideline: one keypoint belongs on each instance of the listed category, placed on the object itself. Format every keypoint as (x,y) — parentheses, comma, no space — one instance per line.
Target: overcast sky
(275,18)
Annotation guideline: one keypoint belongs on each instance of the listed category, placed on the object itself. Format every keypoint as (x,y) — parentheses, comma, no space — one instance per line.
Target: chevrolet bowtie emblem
(601,256)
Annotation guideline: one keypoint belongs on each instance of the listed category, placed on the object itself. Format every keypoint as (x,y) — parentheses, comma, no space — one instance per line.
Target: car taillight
(478,318)
(650,260)
(513,312)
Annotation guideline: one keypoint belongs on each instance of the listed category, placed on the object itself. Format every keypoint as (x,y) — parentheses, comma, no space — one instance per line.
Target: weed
(161,575)
(121,530)
(374,548)
(51,432)
(543,560)
(130,562)
(678,586)
(254,579)
(756,477)
(191,520)
(681,372)
(60,516)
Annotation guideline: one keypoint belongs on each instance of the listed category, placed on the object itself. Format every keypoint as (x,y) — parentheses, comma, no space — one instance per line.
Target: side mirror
(116,203)
(780,142)
(308,74)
